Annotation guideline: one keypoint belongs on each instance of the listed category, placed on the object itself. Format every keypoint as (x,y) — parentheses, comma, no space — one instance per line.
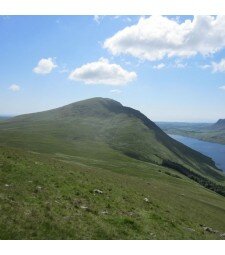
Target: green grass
(51,163)
(42,197)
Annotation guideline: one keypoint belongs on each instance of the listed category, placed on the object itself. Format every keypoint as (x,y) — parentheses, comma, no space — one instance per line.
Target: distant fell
(220,124)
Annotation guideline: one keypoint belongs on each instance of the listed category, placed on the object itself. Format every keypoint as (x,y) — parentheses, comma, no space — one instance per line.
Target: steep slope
(100,128)
(219,125)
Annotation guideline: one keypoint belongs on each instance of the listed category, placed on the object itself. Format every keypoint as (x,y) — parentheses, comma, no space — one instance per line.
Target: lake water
(213,150)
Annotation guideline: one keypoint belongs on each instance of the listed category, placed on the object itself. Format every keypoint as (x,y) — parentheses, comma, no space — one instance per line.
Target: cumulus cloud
(45,66)
(218,67)
(102,72)
(156,37)
(14,87)
(159,66)
(222,87)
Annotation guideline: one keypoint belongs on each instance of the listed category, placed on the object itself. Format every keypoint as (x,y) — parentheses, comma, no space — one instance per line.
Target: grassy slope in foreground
(47,197)
(202,131)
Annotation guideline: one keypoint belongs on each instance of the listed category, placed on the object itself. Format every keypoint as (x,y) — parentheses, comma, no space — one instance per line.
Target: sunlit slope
(70,197)
(100,128)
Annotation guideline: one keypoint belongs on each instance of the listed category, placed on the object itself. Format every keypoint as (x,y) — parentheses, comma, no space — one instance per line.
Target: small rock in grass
(153,235)
(67,218)
(7,185)
(210,230)
(98,191)
(27,213)
(84,207)
(190,229)
(104,212)
(146,199)
(38,189)
(222,235)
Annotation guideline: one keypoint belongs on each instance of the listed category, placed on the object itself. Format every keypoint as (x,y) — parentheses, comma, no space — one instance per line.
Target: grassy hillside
(203,131)
(65,197)
(80,128)
(93,170)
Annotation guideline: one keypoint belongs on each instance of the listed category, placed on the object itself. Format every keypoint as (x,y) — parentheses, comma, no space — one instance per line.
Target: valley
(211,132)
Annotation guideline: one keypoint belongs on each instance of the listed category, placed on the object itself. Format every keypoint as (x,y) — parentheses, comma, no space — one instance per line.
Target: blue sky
(171,72)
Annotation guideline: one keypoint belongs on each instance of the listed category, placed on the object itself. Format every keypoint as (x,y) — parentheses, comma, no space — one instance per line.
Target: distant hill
(204,131)
(220,124)
(97,128)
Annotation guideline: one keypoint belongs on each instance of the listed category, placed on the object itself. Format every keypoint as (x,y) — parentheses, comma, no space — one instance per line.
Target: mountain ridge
(101,123)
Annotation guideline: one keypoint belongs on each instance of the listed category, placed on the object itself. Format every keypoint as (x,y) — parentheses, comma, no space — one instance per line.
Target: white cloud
(179,64)
(128,19)
(156,37)
(218,67)
(14,87)
(102,72)
(115,91)
(177,19)
(98,18)
(45,66)
(222,87)
(206,66)
(159,66)
(125,18)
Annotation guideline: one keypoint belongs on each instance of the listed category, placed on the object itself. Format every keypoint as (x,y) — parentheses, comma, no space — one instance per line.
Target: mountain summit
(97,128)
